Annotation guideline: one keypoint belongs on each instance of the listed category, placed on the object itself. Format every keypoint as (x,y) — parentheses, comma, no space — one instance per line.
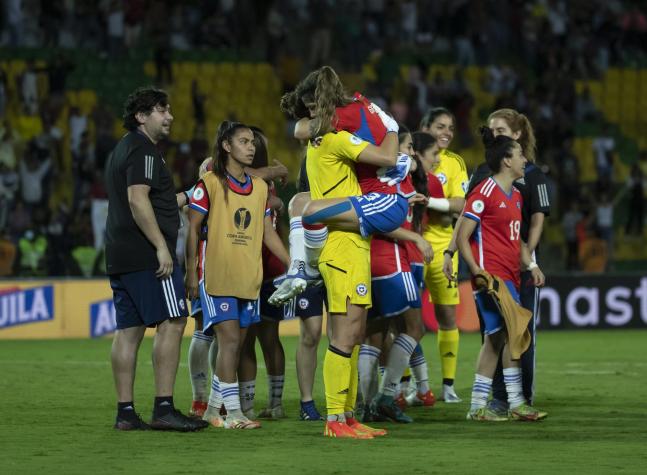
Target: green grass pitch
(57,408)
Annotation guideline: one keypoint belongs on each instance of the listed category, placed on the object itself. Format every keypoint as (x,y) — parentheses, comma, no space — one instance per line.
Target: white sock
(275,386)
(215,397)
(296,240)
(247,394)
(418,365)
(230,396)
(512,380)
(367,369)
(199,364)
(315,237)
(398,360)
(480,391)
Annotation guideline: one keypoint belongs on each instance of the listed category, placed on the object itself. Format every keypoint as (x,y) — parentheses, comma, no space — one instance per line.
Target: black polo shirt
(534,190)
(136,161)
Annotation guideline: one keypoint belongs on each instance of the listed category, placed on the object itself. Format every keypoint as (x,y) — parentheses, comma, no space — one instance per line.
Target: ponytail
(519,123)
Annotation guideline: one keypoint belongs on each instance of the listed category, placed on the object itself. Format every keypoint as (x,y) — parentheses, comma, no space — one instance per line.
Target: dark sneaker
(387,407)
(175,420)
(309,412)
(131,423)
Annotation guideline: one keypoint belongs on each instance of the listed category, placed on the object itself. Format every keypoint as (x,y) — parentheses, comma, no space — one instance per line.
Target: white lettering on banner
(552,297)
(617,303)
(22,306)
(641,293)
(105,321)
(591,317)
(39,310)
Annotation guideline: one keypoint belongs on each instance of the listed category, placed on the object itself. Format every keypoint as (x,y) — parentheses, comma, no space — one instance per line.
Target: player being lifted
(489,241)
(321,103)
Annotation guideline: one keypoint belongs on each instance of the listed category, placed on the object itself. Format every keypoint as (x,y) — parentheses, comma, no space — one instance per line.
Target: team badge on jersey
(224,306)
(361,290)
(478,206)
(198,193)
(304,303)
(242,218)
(181,303)
(442,178)
(465,186)
(355,140)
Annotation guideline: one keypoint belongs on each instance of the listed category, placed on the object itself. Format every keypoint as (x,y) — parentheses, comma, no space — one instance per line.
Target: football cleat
(292,283)
(250,413)
(341,430)
(484,414)
(175,420)
(213,416)
(526,412)
(499,407)
(401,401)
(131,423)
(387,407)
(449,395)
(239,421)
(361,428)
(419,399)
(197,409)
(309,412)
(274,413)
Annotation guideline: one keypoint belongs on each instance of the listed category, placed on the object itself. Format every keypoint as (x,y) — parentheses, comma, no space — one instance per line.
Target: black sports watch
(449,253)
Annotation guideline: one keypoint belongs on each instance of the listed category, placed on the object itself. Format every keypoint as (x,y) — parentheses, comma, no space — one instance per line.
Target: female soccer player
(489,241)
(536,206)
(238,222)
(384,203)
(451,172)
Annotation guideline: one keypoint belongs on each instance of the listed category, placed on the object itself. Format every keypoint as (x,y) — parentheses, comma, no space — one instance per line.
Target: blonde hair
(519,123)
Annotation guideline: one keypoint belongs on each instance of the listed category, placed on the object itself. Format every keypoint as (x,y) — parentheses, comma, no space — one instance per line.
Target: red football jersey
(388,257)
(495,243)
(272,265)
(360,119)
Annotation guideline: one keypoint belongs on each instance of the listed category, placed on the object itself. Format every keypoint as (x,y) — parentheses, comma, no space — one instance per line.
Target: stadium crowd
(563,41)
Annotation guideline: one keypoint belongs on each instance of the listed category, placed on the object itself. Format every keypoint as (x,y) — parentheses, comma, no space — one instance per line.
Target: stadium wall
(57,308)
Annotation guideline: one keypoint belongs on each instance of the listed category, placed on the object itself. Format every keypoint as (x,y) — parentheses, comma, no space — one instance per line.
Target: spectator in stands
(34,170)
(8,189)
(569,226)
(134,15)
(20,221)
(29,88)
(58,242)
(32,246)
(98,209)
(9,141)
(3,91)
(82,169)
(636,184)
(8,253)
(603,147)
(116,28)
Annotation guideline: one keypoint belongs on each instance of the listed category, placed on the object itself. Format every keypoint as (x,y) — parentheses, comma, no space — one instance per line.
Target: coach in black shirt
(147,284)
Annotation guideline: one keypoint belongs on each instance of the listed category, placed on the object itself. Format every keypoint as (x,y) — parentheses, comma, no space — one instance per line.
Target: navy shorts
(216,310)
(394,294)
(141,299)
(309,303)
(379,212)
(418,271)
(268,311)
(489,311)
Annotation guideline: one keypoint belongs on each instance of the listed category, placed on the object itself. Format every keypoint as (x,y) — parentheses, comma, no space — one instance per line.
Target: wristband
(449,253)
(532,265)
(439,204)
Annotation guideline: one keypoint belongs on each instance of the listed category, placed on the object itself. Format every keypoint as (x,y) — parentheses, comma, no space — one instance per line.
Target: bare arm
(527,263)
(182,199)
(191,253)
(456,205)
(273,242)
(462,240)
(402,234)
(302,129)
(144,216)
(386,155)
(276,171)
(534,233)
